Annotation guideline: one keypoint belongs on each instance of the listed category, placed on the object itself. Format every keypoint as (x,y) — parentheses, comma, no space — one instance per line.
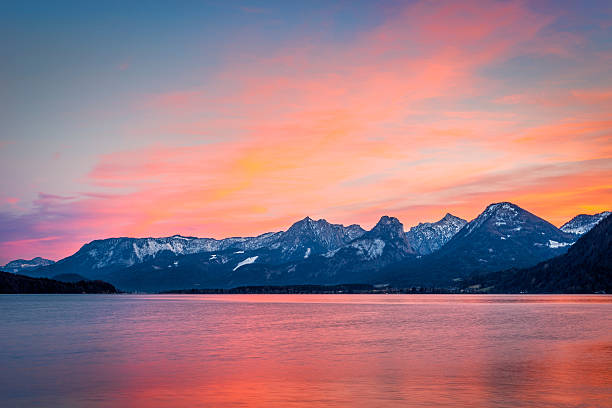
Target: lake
(305,351)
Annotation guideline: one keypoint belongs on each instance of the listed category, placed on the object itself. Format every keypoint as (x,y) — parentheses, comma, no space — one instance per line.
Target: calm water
(305,351)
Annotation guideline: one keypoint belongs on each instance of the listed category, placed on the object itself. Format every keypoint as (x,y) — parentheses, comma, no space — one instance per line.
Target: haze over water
(306,351)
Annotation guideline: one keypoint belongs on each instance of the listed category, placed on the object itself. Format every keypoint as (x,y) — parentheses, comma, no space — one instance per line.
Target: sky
(234,118)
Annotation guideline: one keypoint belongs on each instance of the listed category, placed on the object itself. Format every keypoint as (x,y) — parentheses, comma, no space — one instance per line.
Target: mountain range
(311,251)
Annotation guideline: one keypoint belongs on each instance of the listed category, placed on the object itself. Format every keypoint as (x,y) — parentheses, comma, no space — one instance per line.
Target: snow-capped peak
(503,213)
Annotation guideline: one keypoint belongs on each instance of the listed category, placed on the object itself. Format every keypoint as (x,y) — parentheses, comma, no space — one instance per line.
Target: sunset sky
(223,118)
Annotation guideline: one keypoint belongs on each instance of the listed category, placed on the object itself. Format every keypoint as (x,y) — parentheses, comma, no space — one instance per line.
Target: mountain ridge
(100,258)
(583,223)
(19,265)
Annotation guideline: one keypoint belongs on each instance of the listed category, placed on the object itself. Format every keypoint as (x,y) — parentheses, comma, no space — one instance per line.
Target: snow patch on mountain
(369,249)
(555,244)
(329,254)
(247,261)
(150,247)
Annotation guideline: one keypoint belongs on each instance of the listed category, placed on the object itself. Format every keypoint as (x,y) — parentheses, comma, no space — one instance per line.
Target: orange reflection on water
(333,351)
(374,351)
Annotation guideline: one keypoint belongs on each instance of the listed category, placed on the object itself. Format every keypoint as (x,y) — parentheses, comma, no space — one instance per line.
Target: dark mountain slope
(69,277)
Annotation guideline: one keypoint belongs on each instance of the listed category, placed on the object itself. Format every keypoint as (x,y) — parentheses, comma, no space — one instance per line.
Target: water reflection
(307,351)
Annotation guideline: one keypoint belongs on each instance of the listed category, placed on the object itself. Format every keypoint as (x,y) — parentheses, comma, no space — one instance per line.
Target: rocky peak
(428,237)
(307,226)
(451,218)
(389,228)
(309,236)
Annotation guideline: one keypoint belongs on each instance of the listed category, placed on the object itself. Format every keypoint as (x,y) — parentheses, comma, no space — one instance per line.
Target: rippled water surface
(305,351)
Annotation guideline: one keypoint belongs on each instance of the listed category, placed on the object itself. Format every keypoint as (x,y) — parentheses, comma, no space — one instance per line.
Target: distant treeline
(351,288)
(11,283)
